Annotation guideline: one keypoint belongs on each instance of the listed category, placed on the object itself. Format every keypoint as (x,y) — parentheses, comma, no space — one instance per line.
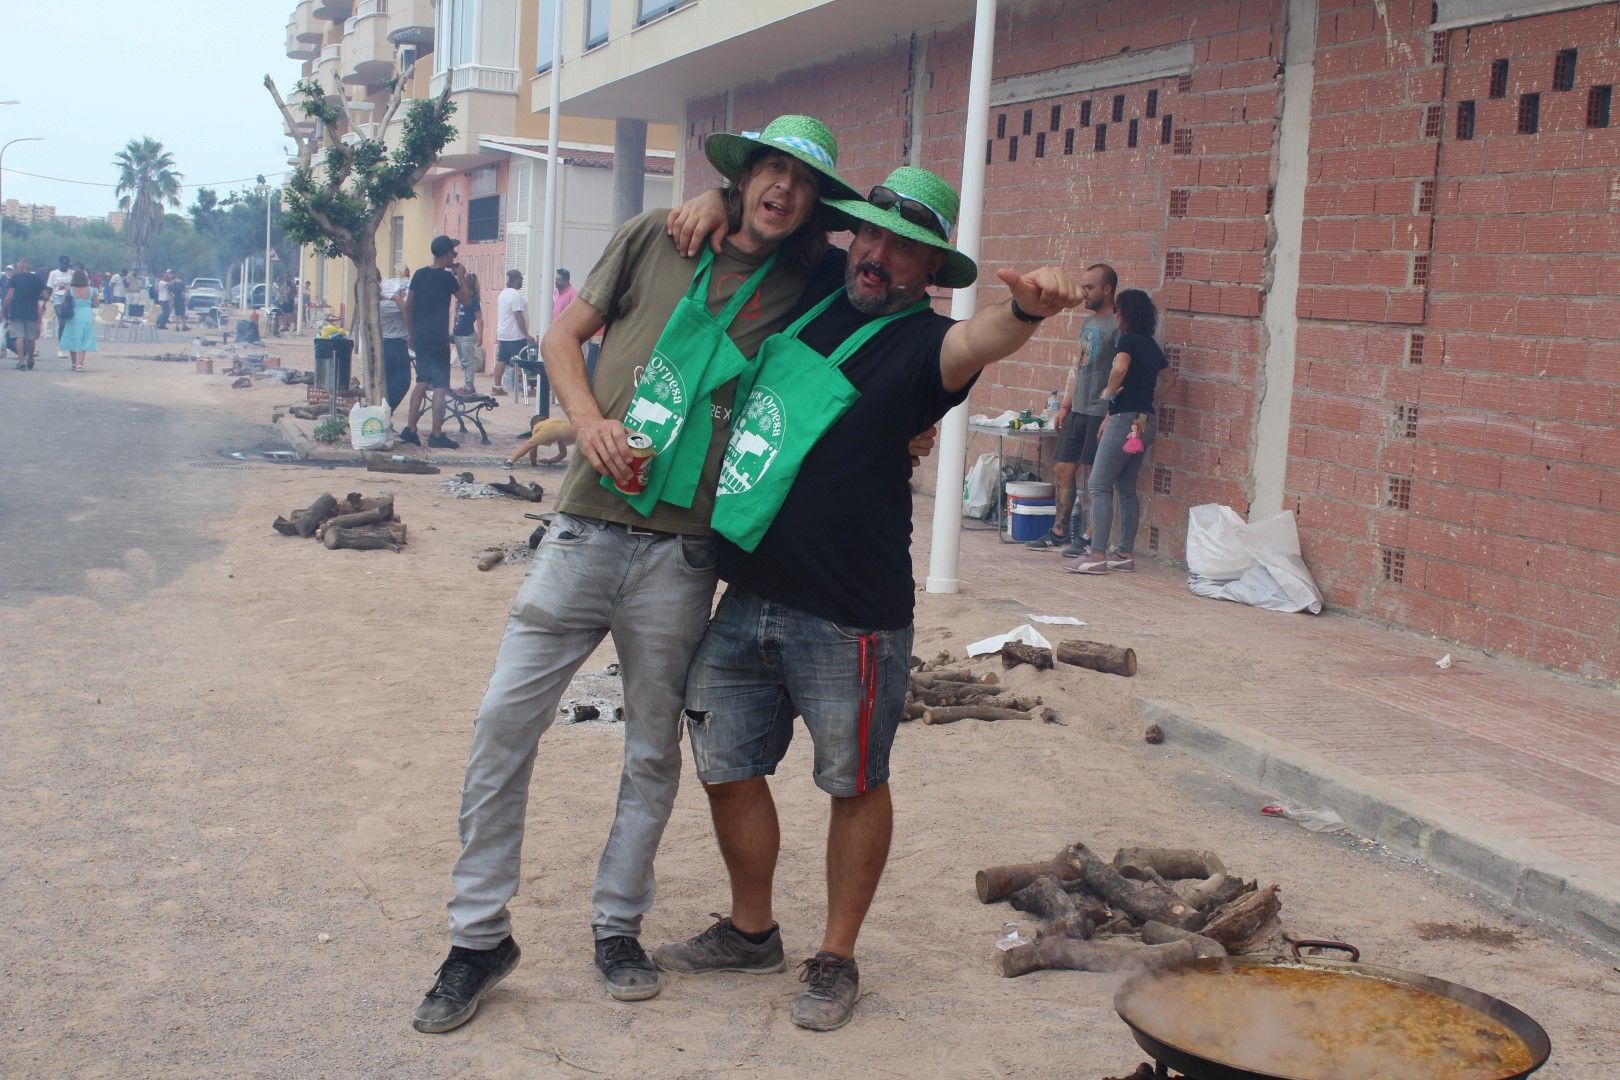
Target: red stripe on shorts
(868,659)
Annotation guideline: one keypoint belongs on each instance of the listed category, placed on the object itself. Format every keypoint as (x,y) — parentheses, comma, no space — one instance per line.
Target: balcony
(368,55)
(486,104)
(306,29)
(297,48)
(334,10)
(410,22)
(326,73)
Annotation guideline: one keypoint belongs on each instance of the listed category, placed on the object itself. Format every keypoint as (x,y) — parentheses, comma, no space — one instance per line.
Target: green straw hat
(899,195)
(801,137)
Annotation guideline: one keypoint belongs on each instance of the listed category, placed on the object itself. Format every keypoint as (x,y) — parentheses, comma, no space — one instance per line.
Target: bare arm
(523,324)
(1116,375)
(403,299)
(994,332)
(600,439)
(703,215)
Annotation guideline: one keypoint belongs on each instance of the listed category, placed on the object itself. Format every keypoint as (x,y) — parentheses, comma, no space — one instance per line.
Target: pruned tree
(346,184)
(147,183)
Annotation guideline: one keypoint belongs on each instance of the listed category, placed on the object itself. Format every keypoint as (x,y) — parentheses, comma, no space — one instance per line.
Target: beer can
(641,455)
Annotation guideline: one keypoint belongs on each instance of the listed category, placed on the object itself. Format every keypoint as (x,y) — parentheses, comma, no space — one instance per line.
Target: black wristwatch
(1023,316)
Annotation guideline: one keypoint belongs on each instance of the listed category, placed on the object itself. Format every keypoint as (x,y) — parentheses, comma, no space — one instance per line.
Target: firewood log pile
(1147,908)
(945,690)
(355,523)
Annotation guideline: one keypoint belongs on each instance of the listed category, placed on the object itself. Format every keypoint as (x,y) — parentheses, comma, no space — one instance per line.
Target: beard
(893,298)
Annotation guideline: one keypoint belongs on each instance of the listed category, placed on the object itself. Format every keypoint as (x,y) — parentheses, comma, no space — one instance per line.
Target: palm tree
(147,182)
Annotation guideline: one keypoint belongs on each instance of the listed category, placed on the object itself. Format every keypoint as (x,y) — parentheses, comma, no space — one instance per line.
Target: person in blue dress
(78,333)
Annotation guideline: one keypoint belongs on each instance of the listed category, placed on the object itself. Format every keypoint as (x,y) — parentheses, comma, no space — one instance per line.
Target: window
(1499,74)
(1166,125)
(1130,134)
(647,10)
(1085,113)
(1597,106)
(1119,107)
(1465,120)
(1012,148)
(483,181)
(1029,120)
(1152,104)
(1040,144)
(1057,118)
(546,46)
(596,23)
(1068,141)
(1564,70)
(1001,126)
(1099,141)
(1529,114)
(484,219)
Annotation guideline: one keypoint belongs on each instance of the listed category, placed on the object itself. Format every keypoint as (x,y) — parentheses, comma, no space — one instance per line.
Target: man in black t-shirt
(426,307)
(25,291)
(817,620)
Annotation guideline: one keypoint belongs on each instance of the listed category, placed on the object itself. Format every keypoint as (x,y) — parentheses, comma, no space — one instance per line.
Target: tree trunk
(367,322)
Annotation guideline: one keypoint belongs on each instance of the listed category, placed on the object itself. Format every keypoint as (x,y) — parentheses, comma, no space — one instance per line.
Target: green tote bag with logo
(672,402)
(790,397)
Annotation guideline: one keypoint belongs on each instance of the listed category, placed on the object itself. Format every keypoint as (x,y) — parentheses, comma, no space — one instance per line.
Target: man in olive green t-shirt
(604,568)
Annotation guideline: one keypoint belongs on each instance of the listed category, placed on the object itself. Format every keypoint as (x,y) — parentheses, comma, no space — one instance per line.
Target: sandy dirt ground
(229,806)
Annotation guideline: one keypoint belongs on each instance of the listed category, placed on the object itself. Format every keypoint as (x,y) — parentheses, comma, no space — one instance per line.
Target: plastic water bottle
(1053,404)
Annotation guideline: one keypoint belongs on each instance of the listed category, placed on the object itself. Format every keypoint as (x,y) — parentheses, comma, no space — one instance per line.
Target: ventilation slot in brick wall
(1161,479)
(1174,262)
(1040,144)
(1068,141)
(1152,104)
(1099,138)
(1271,198)
(1414,349)
(1180,200)
(1434,121)
(1499,74)
(1165,127)
(1153,539)
(1425,201)
(1130,135)
(1406,421)
(1085,113)
(1439,47)
(1597,106)
(1394,564)
(1184,84)
(1420,270)
(1564,70)
(1057,118)
(1167,420)
(1118,113)
(1399,495)
(1183,141)
(1173,354)
(1529,114)
(1465,120)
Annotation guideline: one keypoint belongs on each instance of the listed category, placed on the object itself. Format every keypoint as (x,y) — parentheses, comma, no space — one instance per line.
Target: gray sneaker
(833,984)
(1075,547)
(722,948)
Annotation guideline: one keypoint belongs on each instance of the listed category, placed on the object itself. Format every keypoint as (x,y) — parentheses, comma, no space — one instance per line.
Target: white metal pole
(548,252)
(267,252)
(298,294)
(947,534)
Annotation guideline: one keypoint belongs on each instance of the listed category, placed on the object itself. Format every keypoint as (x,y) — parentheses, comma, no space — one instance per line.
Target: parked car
(256,296)
(204,293)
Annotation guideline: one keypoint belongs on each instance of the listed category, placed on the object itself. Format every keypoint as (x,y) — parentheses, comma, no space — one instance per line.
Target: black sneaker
(1048,542)
(630,975)
(442,442)
(833,985)
(409,435)
(464,977)
(722,948)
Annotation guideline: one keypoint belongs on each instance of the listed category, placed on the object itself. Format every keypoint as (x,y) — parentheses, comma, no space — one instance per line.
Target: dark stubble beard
(894,297)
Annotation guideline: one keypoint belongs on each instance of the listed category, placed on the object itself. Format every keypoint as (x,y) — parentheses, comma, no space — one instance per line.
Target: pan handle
(1312,943)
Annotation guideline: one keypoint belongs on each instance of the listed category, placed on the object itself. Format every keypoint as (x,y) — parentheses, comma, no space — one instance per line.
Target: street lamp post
(30,138)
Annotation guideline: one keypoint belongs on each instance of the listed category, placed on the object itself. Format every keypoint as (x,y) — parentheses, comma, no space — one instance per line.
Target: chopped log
(380,461)
(307,520)
(1157,933)
(284,527)
(1098,656)
(1046,898)
(1167,863)
(1235,887)
(1067,954)
(957,675)
(1199,893)
(913,711)
(1244,919)
(956,690)
(916,661)
(359,540)
(519,490)
(381,512)
(491,559)
(1140,902)
(1016,652)
(951,714)
(307,412)
(241,384)
(996,883)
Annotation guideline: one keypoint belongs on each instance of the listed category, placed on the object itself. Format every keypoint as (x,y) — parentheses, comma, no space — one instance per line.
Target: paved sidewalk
(1491,769)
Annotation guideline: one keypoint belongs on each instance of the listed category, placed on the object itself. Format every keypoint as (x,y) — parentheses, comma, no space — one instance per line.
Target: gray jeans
(467,350)
(652,592)
(1115,473)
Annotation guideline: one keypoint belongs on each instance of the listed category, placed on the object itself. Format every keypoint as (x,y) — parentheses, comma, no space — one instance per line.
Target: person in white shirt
(58,281)
(512,336)
(396,343)
(163,298)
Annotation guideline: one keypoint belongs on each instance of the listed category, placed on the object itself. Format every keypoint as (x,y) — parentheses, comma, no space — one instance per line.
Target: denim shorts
(762,663)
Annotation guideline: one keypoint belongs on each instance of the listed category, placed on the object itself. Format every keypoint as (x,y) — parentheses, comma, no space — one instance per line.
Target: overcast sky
(188,73)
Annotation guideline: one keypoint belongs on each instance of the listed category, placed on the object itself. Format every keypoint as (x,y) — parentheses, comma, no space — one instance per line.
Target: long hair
(472,290)
(80,279)
(805,247)
(1137,315)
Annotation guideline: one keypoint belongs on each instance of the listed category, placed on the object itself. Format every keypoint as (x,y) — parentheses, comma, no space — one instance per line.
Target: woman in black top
(1129,430)
(469,333)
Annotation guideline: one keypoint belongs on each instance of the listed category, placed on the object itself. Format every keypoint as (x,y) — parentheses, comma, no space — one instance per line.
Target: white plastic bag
(979,487)
(1258,564)
(368,427)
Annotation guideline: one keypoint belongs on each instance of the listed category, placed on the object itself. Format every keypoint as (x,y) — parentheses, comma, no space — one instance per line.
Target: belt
(633,530)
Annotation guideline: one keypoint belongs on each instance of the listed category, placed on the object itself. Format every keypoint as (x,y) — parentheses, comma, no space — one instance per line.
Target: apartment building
(27,213)
(1381,233)
(487,188)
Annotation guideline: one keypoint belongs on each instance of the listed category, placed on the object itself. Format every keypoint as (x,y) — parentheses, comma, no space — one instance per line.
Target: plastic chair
(111,318)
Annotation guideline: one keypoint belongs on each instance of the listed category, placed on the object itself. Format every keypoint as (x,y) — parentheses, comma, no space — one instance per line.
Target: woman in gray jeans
(1129,430)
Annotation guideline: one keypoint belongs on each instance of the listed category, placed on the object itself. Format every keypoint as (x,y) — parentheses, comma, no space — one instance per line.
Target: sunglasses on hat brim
(918,213)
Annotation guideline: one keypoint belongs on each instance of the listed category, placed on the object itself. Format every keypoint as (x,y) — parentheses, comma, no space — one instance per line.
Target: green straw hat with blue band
(802,137)
(918,205)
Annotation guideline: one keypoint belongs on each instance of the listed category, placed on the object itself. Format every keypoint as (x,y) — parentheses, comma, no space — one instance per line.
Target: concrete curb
(302,443)
(1526,877)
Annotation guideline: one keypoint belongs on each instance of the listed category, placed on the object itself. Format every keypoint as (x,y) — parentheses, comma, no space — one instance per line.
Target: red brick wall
(1509,536)
(1500,513)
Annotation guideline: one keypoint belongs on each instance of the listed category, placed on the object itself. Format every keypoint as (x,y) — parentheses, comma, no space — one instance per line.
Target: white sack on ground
(1257,563)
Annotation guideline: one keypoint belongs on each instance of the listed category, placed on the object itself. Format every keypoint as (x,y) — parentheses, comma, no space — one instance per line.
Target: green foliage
(147,184)
(331,429)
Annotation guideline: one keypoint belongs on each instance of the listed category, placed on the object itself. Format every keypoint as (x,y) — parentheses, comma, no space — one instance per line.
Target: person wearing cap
(816,620)
(426,307)
(639,568)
